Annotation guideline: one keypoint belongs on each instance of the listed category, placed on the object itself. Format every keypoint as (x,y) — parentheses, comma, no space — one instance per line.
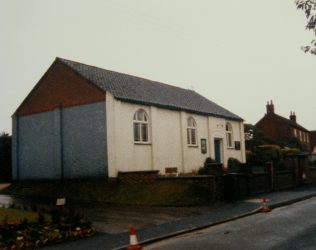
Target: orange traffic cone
(133,242)
(265,208)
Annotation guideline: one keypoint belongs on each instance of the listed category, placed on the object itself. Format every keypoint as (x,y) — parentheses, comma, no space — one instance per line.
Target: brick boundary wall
(138,176)
(231,185)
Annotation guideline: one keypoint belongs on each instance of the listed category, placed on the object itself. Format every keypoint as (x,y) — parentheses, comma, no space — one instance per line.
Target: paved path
(224,213)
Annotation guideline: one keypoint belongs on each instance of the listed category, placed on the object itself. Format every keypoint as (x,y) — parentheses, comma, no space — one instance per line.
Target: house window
(229,135)
(305,137)
(191,132)
(140,124)
(295,133)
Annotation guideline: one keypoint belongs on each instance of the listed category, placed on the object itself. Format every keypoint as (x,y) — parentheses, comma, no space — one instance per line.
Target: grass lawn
(153,194)
(17,215)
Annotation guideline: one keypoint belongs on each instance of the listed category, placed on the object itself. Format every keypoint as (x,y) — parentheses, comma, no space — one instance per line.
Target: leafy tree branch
(309,8)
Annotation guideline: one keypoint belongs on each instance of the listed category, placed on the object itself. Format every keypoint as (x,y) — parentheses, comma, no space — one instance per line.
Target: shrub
(210,167)
(233,162)
(208,161)
(268,153)
(250,158)
(290,151)
(5,157)
(233,165)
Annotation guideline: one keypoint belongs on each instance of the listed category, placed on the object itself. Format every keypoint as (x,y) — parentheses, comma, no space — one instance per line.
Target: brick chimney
(270,107)
(293,117)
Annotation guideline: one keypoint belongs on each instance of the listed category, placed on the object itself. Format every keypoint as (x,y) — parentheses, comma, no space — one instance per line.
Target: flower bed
(63,226)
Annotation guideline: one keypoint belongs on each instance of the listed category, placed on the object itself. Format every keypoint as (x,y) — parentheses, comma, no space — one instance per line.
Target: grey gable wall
(64,143)
(84,141)
(35,144)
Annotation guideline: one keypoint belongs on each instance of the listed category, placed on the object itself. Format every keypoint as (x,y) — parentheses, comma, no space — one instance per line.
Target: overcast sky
(239,54)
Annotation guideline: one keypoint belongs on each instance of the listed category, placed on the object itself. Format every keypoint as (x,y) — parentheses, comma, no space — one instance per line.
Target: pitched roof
(139,90)
(285,121)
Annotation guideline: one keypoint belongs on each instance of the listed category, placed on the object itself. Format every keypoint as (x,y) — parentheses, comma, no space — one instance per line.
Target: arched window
(140,122)
(191,132)
(229,135)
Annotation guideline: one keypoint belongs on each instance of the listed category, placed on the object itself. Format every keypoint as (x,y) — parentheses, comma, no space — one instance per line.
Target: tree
(5,157)
(254,137)
(309,8)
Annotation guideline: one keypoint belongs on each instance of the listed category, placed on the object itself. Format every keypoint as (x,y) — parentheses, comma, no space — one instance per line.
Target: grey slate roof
(138,90)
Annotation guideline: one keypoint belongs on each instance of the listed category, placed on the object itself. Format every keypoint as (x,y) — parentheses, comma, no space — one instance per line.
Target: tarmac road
(289,227)
(155,223)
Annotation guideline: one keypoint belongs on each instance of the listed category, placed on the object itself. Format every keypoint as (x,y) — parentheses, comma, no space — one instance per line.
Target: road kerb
(192,229)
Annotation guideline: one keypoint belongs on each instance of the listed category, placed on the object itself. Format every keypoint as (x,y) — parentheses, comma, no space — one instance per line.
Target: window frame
(229,135)
(295,132)
(141,122)
(192,132)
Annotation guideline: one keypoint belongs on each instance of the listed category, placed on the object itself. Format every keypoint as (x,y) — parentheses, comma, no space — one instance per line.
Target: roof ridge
(149,92)
(118,72)
(295,124)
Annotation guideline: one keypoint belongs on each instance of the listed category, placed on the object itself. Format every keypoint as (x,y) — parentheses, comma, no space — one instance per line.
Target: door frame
(220,147)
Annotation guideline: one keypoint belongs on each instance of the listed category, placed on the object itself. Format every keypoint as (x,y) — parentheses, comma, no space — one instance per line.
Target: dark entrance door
(218,149)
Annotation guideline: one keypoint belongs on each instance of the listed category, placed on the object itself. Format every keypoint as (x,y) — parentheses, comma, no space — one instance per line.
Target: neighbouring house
(282,130)
(313,141)
(80,121)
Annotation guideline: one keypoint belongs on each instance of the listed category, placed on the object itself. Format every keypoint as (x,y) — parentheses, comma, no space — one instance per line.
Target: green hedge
(5,157)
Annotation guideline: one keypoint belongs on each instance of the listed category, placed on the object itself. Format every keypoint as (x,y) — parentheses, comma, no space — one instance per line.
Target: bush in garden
(268,153)
(207,163)
(250,158)
(211,167)
(233,165)
(290,151)
(5,156)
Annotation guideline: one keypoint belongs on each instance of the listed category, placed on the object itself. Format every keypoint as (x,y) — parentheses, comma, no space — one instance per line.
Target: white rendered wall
(166,139)
(167,145)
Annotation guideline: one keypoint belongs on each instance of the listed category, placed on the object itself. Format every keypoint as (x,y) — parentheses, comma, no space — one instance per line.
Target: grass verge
(17,215)
(153,194)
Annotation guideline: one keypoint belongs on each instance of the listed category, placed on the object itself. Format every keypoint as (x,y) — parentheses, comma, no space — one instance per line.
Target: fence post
(272,176)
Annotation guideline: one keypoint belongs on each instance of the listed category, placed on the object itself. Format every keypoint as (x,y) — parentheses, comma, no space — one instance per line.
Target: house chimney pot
(293,117)
(270,107)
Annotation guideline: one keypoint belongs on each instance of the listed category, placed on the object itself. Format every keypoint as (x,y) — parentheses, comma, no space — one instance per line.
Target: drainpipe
(17,134)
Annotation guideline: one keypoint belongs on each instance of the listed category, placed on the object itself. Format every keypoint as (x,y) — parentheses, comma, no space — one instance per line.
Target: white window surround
(295,132)
(229,135)
(305,137)
(191,132)
(140,127)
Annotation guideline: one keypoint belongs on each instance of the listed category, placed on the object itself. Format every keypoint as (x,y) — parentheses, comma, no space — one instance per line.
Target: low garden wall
(214,185)
(225,186)
(260,183)
(240,185)
(138,176)
(238,181)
